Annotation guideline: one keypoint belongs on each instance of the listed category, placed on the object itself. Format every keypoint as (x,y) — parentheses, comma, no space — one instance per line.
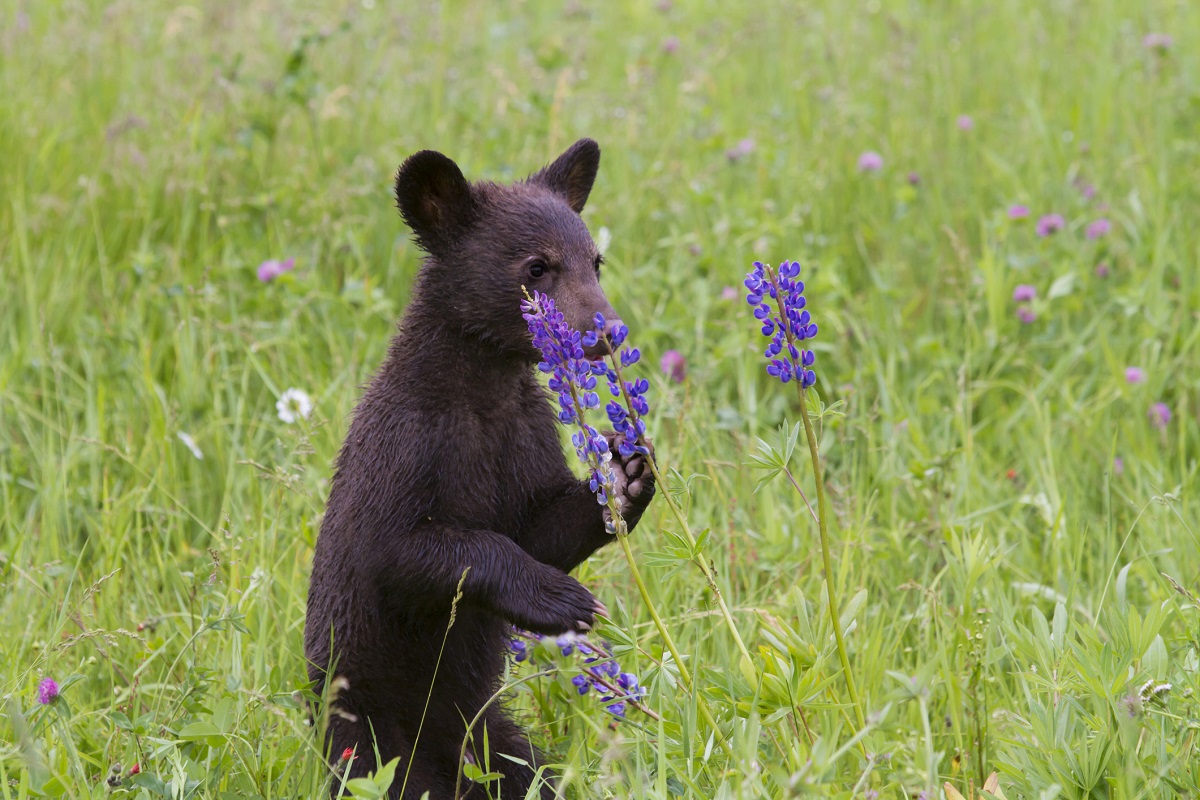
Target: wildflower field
(993,210)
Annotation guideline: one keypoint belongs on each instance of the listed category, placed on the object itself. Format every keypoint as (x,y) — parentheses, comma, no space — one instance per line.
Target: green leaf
(1063,285)
(202,732)
(477,775)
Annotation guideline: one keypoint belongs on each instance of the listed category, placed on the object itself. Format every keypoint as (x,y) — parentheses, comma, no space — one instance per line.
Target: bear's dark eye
(599,261)
(537,269)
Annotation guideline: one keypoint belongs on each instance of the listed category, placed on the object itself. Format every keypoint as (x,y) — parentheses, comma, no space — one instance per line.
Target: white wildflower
(294,404)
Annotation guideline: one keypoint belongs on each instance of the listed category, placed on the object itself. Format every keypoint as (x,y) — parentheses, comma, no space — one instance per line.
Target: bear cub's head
(485,241)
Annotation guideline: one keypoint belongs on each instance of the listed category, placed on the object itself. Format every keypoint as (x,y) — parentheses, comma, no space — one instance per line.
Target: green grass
(1006,592)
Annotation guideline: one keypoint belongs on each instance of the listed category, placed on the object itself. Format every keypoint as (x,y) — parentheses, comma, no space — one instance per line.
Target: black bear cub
(453,464)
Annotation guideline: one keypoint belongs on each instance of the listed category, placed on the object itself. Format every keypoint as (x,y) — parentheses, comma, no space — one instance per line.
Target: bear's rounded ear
(573,173)
(434,198)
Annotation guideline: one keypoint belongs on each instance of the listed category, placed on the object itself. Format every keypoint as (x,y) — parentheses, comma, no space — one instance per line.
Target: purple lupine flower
(1026,314)
(1160,415)
(1049,224)
(272,269)
(1134,374)
(1098,228)
(1024,293)
(519,649)
(870,161)
(626,419)
(965,123)
(600,670)
(573,379)
(783,286)
(1018,211)
(674,365)
(47,691)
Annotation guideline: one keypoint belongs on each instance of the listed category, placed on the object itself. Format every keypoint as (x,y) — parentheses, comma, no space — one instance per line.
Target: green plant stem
(684,674)
(677,512)
(827,560)
(621,531)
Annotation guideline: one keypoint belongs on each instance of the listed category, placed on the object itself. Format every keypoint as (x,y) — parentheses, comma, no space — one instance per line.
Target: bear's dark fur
(453,463)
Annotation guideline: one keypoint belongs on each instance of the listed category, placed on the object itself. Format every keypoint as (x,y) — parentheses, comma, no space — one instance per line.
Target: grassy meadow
(1013,516)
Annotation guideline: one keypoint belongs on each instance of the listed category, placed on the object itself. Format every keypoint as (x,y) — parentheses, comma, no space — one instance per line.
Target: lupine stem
(621,530)
(827,561)
(677,512)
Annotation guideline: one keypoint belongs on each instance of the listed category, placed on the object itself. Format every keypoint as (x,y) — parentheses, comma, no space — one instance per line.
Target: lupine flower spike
(600,670)
(573,379)
(626,418)
(778,300)
(777,297)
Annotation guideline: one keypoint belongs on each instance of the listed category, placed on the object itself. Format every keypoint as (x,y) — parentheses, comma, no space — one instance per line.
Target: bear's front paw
(634,484)
(559,605)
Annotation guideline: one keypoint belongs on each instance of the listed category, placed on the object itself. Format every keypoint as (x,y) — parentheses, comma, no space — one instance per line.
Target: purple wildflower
(573,379)
(599,670)
(1160,415)
(1118,465)
(870,161)
(674,365)
(1102,270)
(1134,374)
(519,649)
(1049,224)
(965,123)
(47,691)
(729,293)
(1098,228)
(1026,314)
(270,270)
(1018,212)
(1024,293)
(739,151)
(1157,41)
(914,179)
(670,45)
(625,417)
(784,288)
